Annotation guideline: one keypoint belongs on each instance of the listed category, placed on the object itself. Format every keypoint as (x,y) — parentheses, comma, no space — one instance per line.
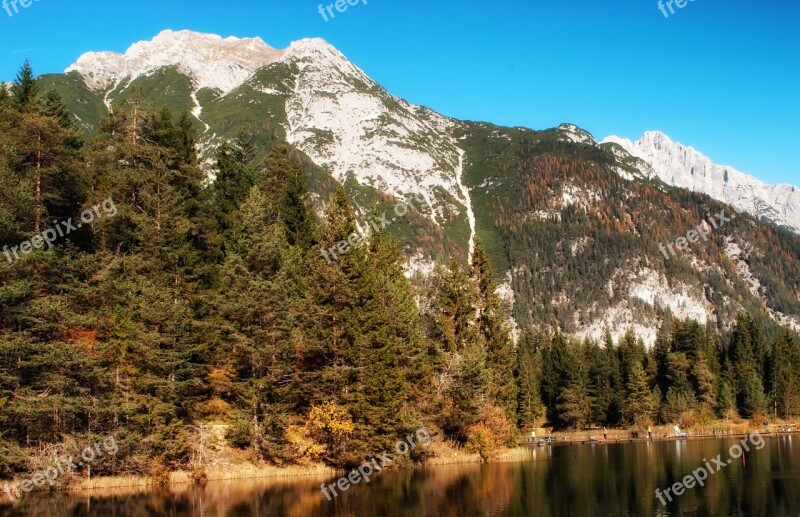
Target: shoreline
(449,456)
(244,471)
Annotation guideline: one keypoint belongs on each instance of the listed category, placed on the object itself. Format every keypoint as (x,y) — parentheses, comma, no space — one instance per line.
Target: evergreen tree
(527,374)
(235,176)
(464,357)
(576,400)
(555,372)
(786,375)
(54,107)
(726,406)
(703,381)
(391,345)
(639,403)
(494,330)
(5,96)
(24,90)
(753,399)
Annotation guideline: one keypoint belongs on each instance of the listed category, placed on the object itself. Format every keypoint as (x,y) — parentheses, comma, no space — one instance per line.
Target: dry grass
(449,454)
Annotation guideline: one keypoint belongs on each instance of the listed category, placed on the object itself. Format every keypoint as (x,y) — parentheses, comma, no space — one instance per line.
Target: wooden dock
(567,440)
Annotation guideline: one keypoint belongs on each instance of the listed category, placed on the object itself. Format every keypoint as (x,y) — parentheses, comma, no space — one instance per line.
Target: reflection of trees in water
(580,480)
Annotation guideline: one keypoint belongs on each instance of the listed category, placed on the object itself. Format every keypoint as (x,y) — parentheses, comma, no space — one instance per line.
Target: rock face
(336,114)
(684,167)
(210,60)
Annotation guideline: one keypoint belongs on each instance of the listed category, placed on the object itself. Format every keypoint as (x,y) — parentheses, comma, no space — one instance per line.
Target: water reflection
(579,480)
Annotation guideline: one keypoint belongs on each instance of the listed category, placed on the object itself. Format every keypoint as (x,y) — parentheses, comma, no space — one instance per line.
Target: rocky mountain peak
(210,60)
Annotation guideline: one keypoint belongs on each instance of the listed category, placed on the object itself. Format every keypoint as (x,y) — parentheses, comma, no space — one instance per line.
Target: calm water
(579,480)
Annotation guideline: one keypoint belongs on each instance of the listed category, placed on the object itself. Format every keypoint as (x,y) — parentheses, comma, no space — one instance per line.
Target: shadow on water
(569,480)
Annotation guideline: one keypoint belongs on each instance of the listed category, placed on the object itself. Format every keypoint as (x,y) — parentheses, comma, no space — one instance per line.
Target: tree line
(690,376)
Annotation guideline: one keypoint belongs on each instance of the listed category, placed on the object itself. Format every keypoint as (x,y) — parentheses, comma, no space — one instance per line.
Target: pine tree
(753,401)
(391,347)
(495,333)
(297,214)
(5,96)
(468,390)
(639,403)
(603,378)
(463,353)
(46,161)
(556,365)
(24,90)
(235,176)
(744,345)
(786,375)
(528,372)
(576,399)
(704,383)
(54,107)
(262,296)
(726,406)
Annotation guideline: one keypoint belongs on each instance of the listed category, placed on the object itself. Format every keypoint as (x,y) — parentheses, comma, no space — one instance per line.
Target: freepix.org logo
(8,5)
(60,230)
(340,6)
(668,5)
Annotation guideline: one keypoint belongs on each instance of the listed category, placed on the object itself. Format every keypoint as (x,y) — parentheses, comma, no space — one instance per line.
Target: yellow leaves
(480,439)
(215,408)
(326,428)
(493,432)
(305,447)
(330,420)
(220,380)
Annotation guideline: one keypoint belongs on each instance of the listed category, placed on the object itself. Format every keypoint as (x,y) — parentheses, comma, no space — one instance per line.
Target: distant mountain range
(573,225)
(685,167)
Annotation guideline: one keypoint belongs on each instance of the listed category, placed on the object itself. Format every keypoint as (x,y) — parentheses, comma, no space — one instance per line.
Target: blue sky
(722,76)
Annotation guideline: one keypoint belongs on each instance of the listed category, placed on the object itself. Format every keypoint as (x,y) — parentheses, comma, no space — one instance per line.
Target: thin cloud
(26,50)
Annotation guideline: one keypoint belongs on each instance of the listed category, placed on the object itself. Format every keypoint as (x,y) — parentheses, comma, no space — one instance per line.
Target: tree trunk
(37,226)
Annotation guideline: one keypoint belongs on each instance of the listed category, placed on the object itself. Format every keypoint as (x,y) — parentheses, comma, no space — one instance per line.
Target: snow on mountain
(209,59)
(350,125)
(574,134)
(336,114)
(687,168)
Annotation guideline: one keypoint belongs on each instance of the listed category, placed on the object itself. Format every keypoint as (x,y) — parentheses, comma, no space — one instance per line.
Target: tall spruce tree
(25,91)
(639,403)
(528,378)
(786,375)
(495,332)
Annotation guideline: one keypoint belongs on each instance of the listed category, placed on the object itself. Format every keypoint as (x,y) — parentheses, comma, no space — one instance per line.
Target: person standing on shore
(766,426)
(605,433)
(649,433)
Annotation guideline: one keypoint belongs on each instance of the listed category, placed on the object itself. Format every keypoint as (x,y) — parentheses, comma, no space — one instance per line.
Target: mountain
(684,167)
(573,226)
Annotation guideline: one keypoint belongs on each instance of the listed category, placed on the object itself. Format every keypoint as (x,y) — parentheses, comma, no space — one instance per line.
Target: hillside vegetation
(194,302)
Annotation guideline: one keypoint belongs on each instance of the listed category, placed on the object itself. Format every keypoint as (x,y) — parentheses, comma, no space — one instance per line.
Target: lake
(561,480)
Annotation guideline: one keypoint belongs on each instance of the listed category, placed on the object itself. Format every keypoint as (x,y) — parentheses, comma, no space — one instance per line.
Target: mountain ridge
(504,186)
(683,166)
